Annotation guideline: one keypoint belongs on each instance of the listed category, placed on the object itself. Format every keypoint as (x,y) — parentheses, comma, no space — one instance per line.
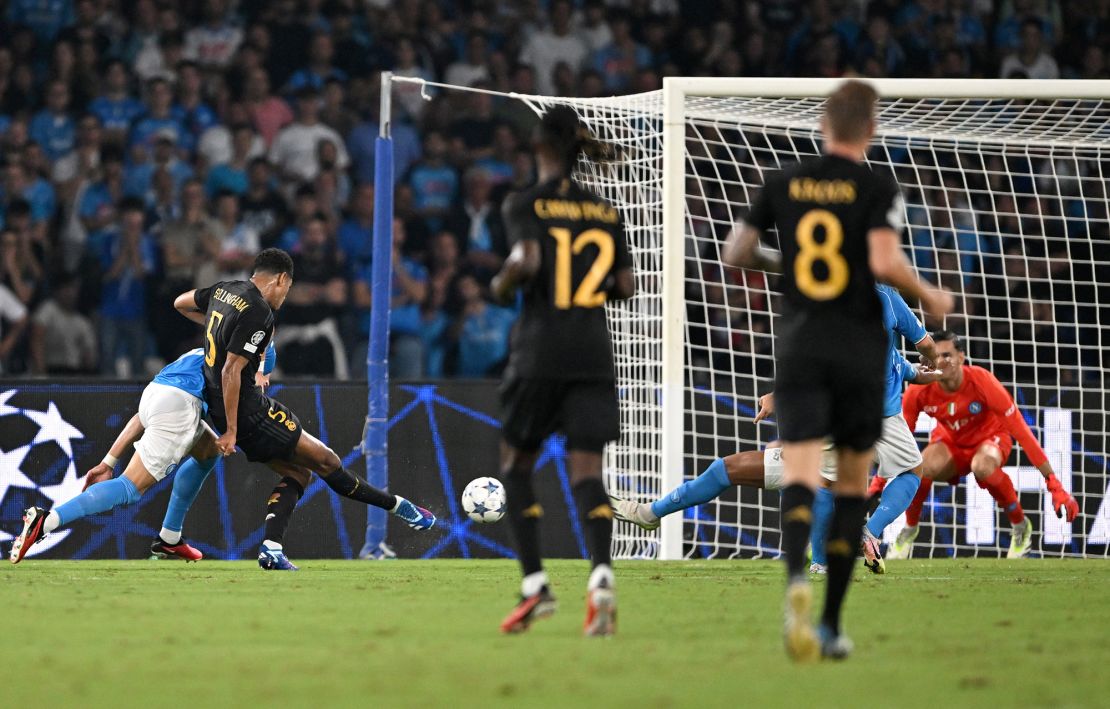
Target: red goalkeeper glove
(1062,501)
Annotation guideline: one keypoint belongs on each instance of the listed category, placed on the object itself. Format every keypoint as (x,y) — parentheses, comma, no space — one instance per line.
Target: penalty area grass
(930,633)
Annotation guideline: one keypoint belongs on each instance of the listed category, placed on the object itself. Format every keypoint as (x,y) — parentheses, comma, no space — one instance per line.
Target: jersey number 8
(827,252)
(587,295)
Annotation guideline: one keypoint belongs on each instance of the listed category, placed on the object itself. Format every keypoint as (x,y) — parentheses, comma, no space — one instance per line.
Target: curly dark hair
(274,261)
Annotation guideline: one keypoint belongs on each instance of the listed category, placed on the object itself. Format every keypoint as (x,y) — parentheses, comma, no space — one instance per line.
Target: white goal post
(1006,203)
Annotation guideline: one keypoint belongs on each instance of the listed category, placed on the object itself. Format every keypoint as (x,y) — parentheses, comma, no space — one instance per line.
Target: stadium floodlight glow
(1006,203)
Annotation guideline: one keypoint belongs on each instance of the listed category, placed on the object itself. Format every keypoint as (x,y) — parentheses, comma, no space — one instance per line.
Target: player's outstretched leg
(101,497)
(823,504)
(745,468)
(187,482)
(903,544)
(896,497)
(310,453)
(536,600)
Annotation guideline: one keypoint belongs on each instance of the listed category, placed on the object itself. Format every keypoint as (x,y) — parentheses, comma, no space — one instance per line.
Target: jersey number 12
(587,294)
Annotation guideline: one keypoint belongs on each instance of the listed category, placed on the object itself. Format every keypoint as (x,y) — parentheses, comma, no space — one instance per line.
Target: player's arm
(917,373)
(106,469)
(889,264)
(521,266)
(523,263)
(743,249)
(909,327)
(187,305)
(1002,404)
(927,348)
(230,379)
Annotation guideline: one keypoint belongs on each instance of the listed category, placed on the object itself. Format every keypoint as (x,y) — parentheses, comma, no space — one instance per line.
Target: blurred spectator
(139,179)
(472,133)
(128,257)
(36,192)
(334,111)
(362,142)
(13,321)
(295,150)
(410,97)
(356,233)
(233,247)
(482,331)
(115,106)
(619,60)
(62,339)
(190,111)
(478,223)
(879,45)
(555,44)
(186,243)
(53,127)
(159,63)
(307,335)
(142,35)
(158,120)
(263,207)
(21,272)
(1030,60)
(231,176)
(81,163)
(215,146)
(474,67)
(268,112)
(213,43)
(96,205)
(320,70)
(306,207)
(434,183)
(594,28)
(410,288)
(517,113)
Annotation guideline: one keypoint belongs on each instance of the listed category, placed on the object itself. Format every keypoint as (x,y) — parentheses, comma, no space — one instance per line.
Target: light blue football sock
(705,487)
(187,482)
(897,496)
(100,497)
(823,504)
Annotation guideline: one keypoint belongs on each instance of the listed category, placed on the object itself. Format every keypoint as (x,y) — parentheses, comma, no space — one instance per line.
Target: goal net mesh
(1006,205)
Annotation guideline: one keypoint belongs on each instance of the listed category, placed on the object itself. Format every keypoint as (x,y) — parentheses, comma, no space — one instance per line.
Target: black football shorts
(824,394)
(585,411)
(267,433)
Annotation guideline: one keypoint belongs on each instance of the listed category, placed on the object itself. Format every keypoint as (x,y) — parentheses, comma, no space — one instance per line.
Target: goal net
(1006,205)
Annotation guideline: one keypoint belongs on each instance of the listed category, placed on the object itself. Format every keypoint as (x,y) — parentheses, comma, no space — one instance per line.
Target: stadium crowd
(150,147)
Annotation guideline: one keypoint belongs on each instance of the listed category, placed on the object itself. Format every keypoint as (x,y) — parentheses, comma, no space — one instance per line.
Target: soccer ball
(483,500)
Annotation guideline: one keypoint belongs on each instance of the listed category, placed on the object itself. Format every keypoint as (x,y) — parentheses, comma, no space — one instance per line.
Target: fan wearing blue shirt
(116,107)
(52,127)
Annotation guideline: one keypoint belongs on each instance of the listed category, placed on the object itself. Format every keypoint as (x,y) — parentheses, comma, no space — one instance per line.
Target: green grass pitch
(942,633)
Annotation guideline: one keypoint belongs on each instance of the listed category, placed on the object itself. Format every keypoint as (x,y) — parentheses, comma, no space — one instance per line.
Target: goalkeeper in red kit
(977,422)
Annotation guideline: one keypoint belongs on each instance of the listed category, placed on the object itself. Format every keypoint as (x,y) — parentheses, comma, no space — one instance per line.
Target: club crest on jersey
(952,408)
(257,337)
(975,407)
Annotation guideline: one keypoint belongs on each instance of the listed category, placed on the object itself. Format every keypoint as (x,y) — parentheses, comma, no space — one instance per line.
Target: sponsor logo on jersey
(975,407)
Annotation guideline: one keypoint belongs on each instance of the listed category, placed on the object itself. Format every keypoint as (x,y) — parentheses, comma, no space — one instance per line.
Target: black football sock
(842,550)
(348,484)
(524,518)
(597,519)
(280,507)
(797,518)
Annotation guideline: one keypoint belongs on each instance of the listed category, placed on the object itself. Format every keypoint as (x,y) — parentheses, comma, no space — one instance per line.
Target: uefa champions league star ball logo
(41,448)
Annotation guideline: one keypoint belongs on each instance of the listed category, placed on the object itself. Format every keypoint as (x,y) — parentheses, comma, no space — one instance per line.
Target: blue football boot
(272,558)
(415,517)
